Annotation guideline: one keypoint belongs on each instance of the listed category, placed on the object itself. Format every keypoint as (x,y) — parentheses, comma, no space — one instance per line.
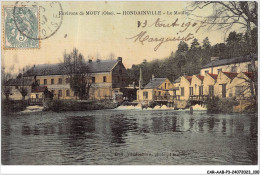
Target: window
(206,72)
(60,80)
(67,80)
(145,95)
(39,82)
(60,93)
(159,93)
(211,90)
(52,81)
(249,68)
(67,93)
(182,91)
(93,79)
(191,91)
(104,79)
(165,86)
(200,90)
(52,91)
(16,87)
(224,90)
(37,96)
(219,70)
(239,91)
(45,81)
(234,69)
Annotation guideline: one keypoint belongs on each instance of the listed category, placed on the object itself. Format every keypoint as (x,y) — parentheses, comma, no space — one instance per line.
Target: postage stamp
(27,18)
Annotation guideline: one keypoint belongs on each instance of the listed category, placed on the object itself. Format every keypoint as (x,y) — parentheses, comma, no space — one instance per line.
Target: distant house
(209,84)
(242,86)
(196,87)
(223,86)
(16,84)
(106,77)
(157,89)
(235,65)
(184,84)
(38,92)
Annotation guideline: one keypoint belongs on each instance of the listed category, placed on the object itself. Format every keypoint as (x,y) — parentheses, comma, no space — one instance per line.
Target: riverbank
(217,105)
(76,105)
(11,106)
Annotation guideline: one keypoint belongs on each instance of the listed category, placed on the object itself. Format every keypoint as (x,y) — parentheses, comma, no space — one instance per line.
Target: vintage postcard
(130,83)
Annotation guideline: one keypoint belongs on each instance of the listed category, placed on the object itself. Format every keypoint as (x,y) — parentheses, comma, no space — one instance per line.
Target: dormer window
(234,69)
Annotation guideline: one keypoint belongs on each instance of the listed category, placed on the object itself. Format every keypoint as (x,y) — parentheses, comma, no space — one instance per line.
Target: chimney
(90,60)
(119,59)
(98,60)
(214,58)
(141,80)
(152,76)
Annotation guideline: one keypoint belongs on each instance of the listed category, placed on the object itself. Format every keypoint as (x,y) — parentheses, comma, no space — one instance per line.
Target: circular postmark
(37,20)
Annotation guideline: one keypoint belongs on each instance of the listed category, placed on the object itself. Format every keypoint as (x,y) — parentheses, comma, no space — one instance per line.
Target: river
(129,137)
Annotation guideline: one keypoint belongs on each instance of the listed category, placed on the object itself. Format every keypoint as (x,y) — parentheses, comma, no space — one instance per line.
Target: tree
(206,44)
(111,56)
(5,88)
(182,47)
(226,15)
(24,91)
(79,78)
(180,58)
(195,44)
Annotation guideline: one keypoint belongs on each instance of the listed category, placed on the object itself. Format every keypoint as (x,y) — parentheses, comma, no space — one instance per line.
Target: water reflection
(224,127)
(92,138)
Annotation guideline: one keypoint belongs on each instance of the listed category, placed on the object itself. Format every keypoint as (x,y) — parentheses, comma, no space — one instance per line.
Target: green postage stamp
(21,27)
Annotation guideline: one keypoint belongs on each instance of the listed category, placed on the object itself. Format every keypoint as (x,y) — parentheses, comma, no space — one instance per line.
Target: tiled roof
(58,69)
(39,89)
(154,83)
(200,77)
(230,75)
(19,82)
(249,75)
(234,60)
(214,76)
(188,78)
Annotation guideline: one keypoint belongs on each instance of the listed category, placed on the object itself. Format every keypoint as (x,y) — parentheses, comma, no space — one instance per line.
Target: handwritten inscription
(143,36)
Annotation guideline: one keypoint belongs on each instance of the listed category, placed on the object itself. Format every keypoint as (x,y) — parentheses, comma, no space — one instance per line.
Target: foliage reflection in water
(129,137)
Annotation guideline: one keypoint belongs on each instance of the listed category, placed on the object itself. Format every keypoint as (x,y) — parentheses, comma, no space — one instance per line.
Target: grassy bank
(74,105)
(10,106)
(217,105)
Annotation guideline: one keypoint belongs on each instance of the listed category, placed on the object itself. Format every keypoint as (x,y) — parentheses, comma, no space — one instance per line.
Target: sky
(102,35)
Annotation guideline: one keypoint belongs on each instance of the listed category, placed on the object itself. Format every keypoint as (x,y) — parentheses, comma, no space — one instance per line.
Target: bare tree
(22,89)
(6,89)
(79,78)
(227,14)
(111,56)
